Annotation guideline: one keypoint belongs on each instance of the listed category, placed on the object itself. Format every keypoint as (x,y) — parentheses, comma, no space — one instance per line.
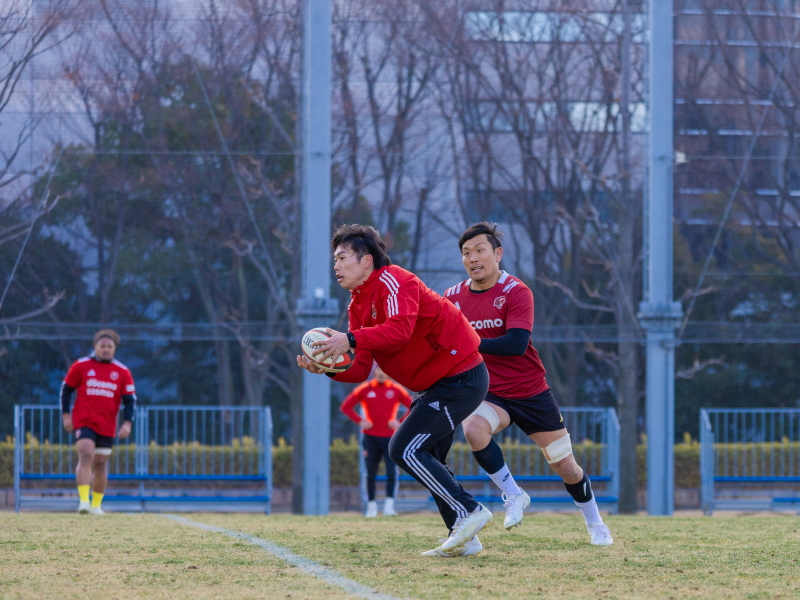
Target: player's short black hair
(362,240)
(494,236)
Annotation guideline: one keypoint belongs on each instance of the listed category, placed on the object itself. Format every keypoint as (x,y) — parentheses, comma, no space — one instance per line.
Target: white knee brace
(487,412)
(558,450)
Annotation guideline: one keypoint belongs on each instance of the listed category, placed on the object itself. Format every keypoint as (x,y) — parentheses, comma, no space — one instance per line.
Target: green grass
(147,556)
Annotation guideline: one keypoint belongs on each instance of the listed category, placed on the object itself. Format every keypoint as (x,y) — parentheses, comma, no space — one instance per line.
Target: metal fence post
(267,429)
(19,447)
(707,458)
(141,450)
(612,454)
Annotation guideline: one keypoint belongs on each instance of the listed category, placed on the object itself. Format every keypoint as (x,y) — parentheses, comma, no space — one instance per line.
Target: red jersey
(416,336)
(507,305)
(100,387)
(379,402)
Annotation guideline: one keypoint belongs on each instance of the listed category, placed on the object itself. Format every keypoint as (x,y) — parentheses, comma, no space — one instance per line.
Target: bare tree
(385,73)
(25,34)
(542,104)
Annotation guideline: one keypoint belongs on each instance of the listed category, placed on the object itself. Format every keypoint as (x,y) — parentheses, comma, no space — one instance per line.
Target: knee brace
(103,451)
(487,412)
(558,450)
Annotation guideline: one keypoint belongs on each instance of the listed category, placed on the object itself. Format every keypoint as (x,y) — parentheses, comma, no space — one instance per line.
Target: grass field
(149,556)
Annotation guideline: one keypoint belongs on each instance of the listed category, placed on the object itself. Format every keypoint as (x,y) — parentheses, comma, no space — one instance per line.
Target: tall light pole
(316,308)
(658,313)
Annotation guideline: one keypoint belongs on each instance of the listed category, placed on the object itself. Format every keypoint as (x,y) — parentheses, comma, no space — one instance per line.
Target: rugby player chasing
(500,308)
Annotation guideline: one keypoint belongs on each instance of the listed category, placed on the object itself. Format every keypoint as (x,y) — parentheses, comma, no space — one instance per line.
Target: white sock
(590,512)
(505,481)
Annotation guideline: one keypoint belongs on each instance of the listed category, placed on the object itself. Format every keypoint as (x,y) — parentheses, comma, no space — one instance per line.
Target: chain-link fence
(150,181)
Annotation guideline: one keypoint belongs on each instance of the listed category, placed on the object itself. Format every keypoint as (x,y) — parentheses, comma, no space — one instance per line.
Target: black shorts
(100,441)
(532,415)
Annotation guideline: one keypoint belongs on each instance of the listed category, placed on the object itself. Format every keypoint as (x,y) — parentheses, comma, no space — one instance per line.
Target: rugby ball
(318,334)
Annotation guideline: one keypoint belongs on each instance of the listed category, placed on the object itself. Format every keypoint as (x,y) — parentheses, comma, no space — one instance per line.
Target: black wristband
(352,339)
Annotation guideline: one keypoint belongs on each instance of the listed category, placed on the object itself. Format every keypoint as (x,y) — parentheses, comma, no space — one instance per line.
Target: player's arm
(405,400)
(72,381)
(400,299)
(349,404)
(128,409)
(66,409)
(513,343)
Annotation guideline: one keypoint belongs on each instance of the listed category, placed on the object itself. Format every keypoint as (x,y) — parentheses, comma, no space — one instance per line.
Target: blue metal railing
(748,457)
(231,444)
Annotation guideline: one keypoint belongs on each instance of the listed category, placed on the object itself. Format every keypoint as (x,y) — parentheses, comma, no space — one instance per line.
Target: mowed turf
(149,556)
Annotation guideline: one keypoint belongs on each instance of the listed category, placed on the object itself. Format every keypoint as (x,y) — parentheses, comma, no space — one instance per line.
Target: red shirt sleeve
(400,299)
(128,388)
(350,402)
(519,311)
(74,377)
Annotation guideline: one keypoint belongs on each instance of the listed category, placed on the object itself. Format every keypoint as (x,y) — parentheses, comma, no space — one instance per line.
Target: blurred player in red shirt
(500,308)
(380,399)
(102,384)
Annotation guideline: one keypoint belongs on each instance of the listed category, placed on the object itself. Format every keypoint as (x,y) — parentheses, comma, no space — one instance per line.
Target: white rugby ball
(318,334)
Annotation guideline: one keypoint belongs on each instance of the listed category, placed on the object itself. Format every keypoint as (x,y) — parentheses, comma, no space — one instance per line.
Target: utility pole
(658,313)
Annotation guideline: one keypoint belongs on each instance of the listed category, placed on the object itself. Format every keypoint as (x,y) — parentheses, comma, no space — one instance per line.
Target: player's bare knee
(477,431)
(568,470)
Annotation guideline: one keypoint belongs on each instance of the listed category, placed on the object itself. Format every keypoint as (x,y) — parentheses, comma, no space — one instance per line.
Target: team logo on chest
(114,375)
(499,301)
(390,394)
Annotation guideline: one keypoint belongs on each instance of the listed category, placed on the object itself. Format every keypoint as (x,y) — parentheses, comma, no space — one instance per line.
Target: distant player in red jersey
(380,399)
(500,308)
(424,343)
(102,384)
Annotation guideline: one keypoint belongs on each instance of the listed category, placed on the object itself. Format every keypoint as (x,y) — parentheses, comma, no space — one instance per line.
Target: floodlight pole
(658,313)
(316,308)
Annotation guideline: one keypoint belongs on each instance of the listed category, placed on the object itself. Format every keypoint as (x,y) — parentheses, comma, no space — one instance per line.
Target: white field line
(302,563)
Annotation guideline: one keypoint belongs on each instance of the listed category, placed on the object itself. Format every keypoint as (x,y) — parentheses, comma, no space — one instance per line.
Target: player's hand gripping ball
(318,334)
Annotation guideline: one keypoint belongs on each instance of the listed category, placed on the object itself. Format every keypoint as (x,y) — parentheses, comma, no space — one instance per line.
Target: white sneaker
(96,510)
(472,548)
(466,528)
(372,509)
(388,508)
(600,534)
(83,508)
(515,507)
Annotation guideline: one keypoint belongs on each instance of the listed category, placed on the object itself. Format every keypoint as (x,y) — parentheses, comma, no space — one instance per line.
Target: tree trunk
(627,388)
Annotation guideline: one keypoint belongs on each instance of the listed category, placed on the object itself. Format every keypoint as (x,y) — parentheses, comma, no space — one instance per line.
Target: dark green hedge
(242,458)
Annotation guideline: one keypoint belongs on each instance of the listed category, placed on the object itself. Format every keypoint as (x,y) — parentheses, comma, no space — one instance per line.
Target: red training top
(507,305)
(100,386)
(380,402)
(416,336)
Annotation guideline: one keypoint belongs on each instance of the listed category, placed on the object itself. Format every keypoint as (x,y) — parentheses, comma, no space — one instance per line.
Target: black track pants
(421,443)
(376,448)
